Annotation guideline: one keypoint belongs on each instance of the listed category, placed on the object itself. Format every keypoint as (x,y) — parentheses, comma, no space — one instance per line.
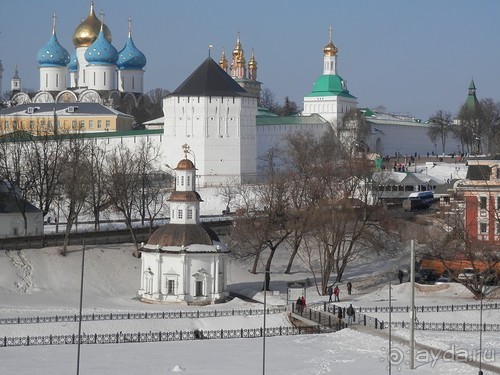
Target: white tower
(15,82)
(213,114)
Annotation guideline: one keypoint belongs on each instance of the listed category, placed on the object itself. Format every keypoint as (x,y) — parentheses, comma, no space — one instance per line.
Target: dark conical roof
(209,79)
(183,235)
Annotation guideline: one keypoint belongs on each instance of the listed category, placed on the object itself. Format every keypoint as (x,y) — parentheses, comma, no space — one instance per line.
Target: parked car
(467,274)
(442,280)
(426,276)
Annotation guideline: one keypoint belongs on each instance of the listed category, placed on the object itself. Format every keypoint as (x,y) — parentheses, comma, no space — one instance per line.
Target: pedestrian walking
(336,293)
(351,314)
(299,305)
(400,276)
(330,293)
(349,288)
(339,317)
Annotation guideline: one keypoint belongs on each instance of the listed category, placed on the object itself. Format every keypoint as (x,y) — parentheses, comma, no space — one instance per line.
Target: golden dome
(223,61)
(252,63)
(330,49)
(185,164)
(86,33)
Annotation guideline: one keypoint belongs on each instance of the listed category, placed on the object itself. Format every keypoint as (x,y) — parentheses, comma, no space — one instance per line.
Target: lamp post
(266,275)
(481,333)
(80,313)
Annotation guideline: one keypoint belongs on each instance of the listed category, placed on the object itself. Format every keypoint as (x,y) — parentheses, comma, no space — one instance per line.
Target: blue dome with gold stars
(73,63)
(101,51)
(53,54)
(130,57)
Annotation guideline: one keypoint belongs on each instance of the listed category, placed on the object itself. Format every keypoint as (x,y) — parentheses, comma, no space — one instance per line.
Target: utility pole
(412,305)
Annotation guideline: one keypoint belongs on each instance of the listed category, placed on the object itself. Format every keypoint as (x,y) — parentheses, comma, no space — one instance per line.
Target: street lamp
(266,276)
(481,332)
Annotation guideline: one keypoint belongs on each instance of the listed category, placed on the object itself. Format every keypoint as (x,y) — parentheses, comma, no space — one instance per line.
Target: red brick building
(481,192)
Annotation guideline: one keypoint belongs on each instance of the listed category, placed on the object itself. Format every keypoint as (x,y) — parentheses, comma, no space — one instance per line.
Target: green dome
(330,85)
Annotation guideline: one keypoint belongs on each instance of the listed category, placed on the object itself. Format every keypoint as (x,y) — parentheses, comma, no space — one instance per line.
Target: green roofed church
(329,97)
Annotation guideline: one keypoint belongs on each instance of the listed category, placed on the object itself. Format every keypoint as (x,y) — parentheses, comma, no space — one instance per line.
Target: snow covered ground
(40,282)
(43,283)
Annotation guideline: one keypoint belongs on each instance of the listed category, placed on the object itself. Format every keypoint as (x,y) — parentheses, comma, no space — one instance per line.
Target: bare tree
(97,200)
(14,172)
(124,181)
(491,112)
(75,181)
(440,127)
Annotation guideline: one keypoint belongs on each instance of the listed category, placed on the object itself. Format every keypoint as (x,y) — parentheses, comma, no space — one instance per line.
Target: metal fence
(432,308)
(443,326)
(138,337)
(143,315)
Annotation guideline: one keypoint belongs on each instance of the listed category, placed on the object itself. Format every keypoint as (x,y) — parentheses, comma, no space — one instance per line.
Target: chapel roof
(183,235)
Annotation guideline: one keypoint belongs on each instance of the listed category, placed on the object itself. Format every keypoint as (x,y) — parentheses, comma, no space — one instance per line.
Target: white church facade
(183,260)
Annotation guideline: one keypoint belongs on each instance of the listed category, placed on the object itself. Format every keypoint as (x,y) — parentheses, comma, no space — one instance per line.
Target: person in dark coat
(400,276)
(330,293)
(351,314)
(299,305)
(349,288)
(339,317)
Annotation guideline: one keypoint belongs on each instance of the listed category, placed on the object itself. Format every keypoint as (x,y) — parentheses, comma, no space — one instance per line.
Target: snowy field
(42,283)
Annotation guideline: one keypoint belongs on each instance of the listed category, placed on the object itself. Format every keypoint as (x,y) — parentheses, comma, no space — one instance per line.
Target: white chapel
(183,260)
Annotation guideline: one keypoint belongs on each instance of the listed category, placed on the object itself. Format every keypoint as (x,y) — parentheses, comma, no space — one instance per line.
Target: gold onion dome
(330,49)
(86,33)
(252,63)
(223,61)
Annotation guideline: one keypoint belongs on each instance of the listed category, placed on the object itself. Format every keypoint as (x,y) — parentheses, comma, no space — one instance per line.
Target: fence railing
(443,326)
(138,337)
(423,309)
(143,315)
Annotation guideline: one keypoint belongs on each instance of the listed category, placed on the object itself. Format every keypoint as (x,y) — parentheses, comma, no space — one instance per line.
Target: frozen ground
(41,282)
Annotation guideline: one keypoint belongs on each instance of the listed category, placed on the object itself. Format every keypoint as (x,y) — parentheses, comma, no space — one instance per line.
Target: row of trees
(79,176)
(477,127)
(306,205)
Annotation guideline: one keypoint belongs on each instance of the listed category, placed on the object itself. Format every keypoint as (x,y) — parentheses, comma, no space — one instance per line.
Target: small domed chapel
(184,261)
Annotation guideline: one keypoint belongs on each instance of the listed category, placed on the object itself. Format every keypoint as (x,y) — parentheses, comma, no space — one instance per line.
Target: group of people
(301,304)
(336,292)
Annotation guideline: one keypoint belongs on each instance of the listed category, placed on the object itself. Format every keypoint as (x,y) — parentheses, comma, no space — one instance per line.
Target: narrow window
(483,228)
(99,124)
(108,124)
(91,124)
(104,78)
(133,83)
(179,214)
(57,80)
(171,287)
(190,213)
(182,180)
(199,289)
(188,182)
(482,203)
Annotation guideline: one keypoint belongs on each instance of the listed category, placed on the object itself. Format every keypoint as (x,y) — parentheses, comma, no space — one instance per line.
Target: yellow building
(52,118)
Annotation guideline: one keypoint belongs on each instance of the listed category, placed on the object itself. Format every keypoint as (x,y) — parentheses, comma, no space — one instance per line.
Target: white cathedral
(95,72)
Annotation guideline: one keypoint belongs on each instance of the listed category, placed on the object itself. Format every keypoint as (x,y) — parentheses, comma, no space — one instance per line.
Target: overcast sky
(412,57)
